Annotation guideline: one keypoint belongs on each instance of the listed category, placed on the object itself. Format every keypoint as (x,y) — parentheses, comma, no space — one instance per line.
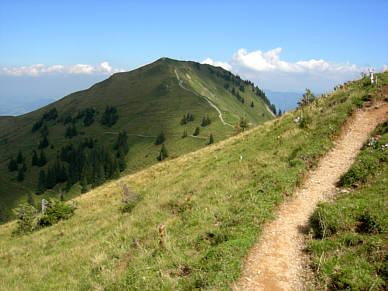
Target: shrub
(55,211)
(27,218)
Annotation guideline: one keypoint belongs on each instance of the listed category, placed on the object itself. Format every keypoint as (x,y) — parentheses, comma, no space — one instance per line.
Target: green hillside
(195,217)
(147,101)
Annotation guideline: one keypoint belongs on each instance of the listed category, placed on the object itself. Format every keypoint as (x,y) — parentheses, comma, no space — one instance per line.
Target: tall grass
(211,205)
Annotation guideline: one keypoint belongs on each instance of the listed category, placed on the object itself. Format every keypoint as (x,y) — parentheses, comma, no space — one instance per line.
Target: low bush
(53,210)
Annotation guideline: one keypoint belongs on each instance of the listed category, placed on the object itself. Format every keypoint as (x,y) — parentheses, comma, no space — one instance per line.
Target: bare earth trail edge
(276,261)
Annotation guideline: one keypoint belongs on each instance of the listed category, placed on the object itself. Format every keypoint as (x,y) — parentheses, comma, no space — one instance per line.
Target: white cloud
(223,65)
(269,71)
(39,69)
(270,62)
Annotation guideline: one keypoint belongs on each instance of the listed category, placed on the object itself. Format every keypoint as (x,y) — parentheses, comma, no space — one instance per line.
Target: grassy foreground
(212,203)
(350,249)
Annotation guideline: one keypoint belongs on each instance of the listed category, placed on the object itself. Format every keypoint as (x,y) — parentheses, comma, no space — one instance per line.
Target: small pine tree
(12,166)
(306,99)
(211,140)
(163,153)
(84,185)
(252,105)
(160,138)
(44,143)
(42,159)
(35,160)
(183,120)
(41,182)
(20,158)
(21,175)
(184,134)
(196,131)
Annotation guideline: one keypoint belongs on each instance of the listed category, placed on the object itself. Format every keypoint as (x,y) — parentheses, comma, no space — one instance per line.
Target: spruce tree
(84,184)
(160,138)
(12,166)
(44,143)
(211,140)
(35,160)
(21,175)
(183,120)
(41,182)
(252,105)
(42,159)
(19,158)
(184,134)
(196,132)
(163,153)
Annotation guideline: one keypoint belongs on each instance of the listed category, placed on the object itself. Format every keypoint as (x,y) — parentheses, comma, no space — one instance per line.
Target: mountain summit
(175,103)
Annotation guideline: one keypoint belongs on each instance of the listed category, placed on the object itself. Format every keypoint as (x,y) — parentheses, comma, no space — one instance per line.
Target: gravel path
(180,82)
(276,261)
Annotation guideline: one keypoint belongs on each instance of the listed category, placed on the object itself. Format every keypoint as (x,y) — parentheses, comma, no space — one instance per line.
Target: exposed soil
(276,261)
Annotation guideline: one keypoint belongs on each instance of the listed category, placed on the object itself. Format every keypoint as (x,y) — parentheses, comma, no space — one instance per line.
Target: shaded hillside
(196,216)
(144,103)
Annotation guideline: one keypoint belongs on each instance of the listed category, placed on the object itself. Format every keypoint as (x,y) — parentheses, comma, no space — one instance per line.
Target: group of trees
(87,116)
(87,162)
(110,116)
(13,166)
(71,131)
(187,118)
(205,121)
(237,95)
(38,161)
(47,116)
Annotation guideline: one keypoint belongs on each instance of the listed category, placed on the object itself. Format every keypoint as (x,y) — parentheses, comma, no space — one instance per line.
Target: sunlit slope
(148,100)
(212,203)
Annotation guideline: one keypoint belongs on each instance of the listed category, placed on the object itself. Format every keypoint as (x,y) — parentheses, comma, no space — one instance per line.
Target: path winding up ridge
(180,82)
(276,261)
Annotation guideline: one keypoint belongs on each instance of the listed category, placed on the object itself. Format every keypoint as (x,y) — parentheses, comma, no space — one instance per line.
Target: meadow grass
(211,202)
(349,248)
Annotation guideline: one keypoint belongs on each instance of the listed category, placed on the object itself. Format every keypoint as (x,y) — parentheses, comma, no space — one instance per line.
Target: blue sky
(272,43)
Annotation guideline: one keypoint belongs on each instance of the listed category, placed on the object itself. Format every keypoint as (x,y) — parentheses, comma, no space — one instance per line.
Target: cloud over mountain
(39,69)
(270,71)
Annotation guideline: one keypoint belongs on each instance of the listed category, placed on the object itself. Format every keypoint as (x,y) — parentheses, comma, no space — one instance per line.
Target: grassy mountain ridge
(148,100)
(212,203)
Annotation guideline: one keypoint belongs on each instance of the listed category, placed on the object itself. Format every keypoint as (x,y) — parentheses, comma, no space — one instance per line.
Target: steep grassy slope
(349,248)
(148,100)
(212,203)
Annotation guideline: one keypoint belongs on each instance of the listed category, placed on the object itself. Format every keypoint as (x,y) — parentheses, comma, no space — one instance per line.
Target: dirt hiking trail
(276,261)
(180,82)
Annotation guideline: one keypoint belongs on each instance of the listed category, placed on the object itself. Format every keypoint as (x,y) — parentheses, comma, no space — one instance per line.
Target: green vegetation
(142,102)
(53,211)
(350,246)
(181,234)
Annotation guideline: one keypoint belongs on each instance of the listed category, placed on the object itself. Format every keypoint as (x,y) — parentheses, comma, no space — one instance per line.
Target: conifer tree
(42,159)
(84,185)
(35,160)
(211,140)
(160,138)
(12,166)
(20,158)
(41,182)
(196,131)
(163,153)
(21,175)
(183,120)
(184,134)
(252,105)
(44,143)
